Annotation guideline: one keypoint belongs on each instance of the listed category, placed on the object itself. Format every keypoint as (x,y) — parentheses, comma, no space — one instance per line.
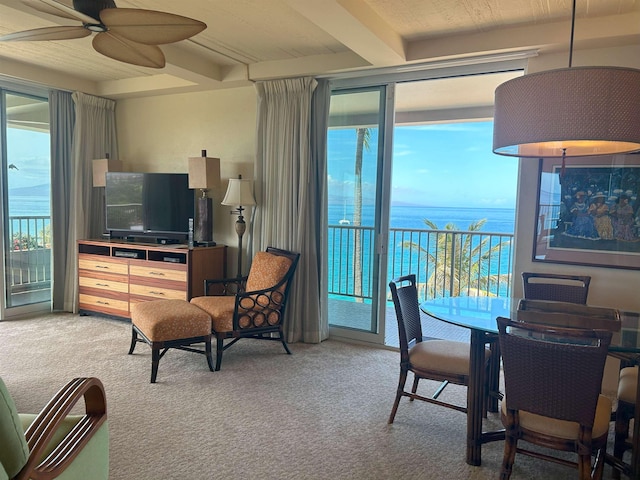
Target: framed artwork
(587,211)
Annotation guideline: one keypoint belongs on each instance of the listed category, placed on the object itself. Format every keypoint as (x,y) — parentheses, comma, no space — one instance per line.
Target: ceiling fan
(129,35)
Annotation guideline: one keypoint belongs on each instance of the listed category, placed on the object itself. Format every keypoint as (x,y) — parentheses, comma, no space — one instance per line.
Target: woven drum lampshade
(579,111)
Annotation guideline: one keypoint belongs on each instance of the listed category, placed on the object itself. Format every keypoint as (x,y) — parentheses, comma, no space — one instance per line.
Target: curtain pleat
(62,119)
(287,196)
(94,136)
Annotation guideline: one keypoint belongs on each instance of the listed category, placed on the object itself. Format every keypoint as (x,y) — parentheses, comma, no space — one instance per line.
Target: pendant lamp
(568,112)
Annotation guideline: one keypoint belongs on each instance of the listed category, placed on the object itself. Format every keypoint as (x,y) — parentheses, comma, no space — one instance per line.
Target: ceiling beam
(550,37)
(356,26)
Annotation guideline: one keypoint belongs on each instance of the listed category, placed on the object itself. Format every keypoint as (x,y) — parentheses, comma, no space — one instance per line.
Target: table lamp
(204,173)
(100,168)
(238,194)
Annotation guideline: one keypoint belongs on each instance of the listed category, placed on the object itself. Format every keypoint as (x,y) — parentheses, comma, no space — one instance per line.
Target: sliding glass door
(25,186)
(355,197)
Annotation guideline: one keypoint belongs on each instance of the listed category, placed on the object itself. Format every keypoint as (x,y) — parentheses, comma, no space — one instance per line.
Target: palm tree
(461,265)
(363,135)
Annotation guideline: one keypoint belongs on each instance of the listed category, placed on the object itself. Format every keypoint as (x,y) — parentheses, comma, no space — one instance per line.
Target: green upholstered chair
(54,444)
(252,306)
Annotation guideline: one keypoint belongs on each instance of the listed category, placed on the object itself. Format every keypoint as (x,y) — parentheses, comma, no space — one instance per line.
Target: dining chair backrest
(565,379)
(404,293)
(556,287)
(564,314)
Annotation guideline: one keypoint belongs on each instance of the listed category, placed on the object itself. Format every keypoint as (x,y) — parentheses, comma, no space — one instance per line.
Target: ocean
(404,260)
(25,206)
(499,220)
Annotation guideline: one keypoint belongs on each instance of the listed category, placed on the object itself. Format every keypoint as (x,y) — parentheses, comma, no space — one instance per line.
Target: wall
(159,134)
(618,288)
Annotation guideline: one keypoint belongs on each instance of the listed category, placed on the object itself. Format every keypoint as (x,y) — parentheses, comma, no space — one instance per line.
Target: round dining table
(479,314)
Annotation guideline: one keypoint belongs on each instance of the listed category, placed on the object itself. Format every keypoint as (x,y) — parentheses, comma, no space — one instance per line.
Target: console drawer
(110,306)
(177,274)
(94,264)
(155,292)
(103,284)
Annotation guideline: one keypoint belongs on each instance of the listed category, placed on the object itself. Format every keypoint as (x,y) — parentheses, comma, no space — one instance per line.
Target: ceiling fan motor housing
(93,7)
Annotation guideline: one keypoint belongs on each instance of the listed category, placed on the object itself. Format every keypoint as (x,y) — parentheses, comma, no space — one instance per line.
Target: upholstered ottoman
(165,324)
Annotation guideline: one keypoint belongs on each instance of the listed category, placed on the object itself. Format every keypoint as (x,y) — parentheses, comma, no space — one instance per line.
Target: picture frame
(588,211)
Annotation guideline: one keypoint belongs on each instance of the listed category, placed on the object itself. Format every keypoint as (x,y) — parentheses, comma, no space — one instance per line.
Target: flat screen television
(155,205)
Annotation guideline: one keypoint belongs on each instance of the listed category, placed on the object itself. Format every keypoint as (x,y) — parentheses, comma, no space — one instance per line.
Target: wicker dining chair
(553,286)
(445,361)
(552,378)
(570,315)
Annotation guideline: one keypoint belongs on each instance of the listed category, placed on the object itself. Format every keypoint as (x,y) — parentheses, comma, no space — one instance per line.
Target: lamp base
(204,220)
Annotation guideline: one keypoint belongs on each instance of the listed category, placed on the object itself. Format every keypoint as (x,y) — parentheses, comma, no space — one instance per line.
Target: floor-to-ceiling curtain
(94,136)
(289,195)
(61,121)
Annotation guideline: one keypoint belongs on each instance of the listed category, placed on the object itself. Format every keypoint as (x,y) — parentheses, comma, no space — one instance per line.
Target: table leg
(475,398)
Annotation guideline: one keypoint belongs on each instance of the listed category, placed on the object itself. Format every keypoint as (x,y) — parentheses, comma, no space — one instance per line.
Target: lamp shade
(100,167)
(239,193)
(579,111)
(204,172)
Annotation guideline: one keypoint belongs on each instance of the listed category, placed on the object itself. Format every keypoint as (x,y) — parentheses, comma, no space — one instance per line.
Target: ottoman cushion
(164,320)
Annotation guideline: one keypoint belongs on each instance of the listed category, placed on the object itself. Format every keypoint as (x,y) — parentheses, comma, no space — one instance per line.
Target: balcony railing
(29,259)
(446,262)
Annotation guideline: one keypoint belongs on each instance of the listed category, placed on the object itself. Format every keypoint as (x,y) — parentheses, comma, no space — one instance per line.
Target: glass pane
(27,175)
(352,202)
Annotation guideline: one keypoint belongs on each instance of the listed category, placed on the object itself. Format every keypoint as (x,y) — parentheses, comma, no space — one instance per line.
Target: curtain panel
(62,120)
(290,158)
(94,135)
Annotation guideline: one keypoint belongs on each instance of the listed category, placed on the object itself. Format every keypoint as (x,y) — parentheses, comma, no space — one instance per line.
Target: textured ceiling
(249,40)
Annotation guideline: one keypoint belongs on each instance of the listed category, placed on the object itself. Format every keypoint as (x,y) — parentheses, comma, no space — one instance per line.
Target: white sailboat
(344,220)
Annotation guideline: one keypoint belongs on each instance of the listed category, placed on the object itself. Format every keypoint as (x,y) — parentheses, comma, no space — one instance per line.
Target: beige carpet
(319,413)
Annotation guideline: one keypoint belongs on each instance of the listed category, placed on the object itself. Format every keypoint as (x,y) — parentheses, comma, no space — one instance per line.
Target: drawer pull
(156,293)
(100,302)
(102,266)
(159,274)
(102,284)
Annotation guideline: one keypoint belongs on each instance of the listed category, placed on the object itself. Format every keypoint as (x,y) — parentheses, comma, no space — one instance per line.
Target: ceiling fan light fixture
(97,28)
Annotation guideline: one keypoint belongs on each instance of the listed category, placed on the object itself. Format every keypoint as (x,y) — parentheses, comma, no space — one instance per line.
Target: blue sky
(29,151)
(433,165)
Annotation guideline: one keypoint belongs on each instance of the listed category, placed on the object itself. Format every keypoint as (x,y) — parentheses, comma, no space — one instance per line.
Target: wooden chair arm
(40,432)
(226,286)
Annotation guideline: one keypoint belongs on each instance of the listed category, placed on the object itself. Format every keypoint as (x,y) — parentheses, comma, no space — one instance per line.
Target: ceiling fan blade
(47,33)
(60,9)
(125,50)
(149,26)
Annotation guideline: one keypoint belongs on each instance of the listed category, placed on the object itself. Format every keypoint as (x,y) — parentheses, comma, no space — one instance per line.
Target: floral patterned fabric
(220,308)
(162,320)
(267,270)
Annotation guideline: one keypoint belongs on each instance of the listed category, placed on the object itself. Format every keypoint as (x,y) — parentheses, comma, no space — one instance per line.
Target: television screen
(148,203)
